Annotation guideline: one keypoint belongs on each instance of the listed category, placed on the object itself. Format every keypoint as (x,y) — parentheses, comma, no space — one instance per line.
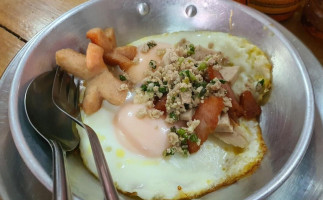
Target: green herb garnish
(180,132)
(144,87)
(191,50)
(190,75)
(173,129)
(162,90)
(173,116)
(202,66)
(122,78)
(153,64)
(184,89)
(202,93)
(151,44)
(193,138)
(222,81)
(199,84)
(180,60)
(169,151)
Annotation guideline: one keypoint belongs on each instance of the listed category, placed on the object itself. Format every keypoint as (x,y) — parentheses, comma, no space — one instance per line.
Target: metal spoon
(54,126)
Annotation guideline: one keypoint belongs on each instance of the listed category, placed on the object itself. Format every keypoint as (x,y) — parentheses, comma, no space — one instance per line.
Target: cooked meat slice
(224,124)
(238,137)
(230,74)
(250,107)
(160,104)
(236,110)
(208,113)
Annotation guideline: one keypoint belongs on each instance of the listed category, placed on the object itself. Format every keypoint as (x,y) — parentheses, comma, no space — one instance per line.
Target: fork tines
(65,92)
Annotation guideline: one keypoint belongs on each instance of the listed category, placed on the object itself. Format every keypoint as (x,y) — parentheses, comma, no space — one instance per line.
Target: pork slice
(224,125)
(238,137)
(230,74)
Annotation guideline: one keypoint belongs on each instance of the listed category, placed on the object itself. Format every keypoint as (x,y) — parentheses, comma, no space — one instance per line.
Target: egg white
(177,177)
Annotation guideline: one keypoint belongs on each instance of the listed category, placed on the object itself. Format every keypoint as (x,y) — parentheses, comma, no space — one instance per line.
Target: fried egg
(133,147)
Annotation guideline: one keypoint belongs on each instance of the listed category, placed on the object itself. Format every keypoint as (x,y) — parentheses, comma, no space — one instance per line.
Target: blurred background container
(278,9)
(312,18)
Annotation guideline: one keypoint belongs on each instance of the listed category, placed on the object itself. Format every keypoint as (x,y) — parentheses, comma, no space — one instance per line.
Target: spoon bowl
(50,123)
(43,115)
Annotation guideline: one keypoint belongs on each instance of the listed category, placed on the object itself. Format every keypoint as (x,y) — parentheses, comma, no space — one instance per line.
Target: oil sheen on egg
(133,146)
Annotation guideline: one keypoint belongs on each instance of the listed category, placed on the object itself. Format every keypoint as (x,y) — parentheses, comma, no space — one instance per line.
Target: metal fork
(65,95)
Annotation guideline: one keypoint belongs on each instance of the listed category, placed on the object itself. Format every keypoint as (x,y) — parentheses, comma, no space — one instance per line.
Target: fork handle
(101,165)
(61,186)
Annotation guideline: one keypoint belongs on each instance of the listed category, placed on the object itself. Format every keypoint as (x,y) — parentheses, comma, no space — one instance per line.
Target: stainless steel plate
(287,118)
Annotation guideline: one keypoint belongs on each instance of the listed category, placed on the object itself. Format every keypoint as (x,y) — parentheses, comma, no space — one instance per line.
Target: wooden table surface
(20,20)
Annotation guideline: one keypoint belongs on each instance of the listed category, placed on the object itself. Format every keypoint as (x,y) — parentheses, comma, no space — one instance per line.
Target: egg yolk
(145,136)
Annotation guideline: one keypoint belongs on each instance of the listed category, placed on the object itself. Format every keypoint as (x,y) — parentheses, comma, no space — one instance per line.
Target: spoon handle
(61,186)
(101,165)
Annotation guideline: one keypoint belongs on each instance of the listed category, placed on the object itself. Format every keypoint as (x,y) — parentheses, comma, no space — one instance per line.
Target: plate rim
(290,165)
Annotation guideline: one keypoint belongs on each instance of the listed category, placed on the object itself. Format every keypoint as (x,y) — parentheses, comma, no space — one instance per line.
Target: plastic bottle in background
(278,9)
(312,17)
